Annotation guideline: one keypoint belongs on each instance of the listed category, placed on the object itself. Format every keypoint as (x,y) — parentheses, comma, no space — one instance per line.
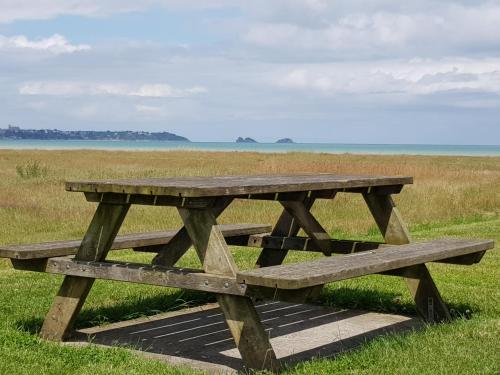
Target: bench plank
(321,271)
(125,241)
(282,244)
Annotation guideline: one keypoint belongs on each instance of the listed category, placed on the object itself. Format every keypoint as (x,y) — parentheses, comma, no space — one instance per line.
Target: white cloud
(14,10)
(56,44)
(449,28)
(67,88)
(148,109)
(414,77)
(166,91)
(331,64)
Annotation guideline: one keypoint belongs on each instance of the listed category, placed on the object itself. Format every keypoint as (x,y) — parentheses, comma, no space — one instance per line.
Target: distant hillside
(245,140)
(285,140)
(14,132)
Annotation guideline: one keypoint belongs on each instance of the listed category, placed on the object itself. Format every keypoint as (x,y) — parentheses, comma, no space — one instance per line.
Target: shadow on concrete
(298,332)
(126,310)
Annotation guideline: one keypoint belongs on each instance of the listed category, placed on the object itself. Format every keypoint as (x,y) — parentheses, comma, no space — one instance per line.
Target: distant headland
(245,140)
(15,132)
(251,140)
(285,140)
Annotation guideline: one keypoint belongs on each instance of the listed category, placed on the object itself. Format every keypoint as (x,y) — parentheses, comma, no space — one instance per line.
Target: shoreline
(264,148)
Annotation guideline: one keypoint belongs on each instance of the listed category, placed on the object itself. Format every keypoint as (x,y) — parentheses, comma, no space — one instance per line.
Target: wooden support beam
(465,260)
(302,243)
(425,294)
(286,226)
(310,225)
(170,254)
(244,323)
(150,200)
(388,219)
(160,276)
(300,295)
(74,290)
(429,303)
(147,274)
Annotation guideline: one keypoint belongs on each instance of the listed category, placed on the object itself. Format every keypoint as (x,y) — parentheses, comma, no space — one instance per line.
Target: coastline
(327,148)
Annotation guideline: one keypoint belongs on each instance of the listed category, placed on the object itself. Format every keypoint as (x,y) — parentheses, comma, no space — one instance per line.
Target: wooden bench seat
(321,271)
(138,241)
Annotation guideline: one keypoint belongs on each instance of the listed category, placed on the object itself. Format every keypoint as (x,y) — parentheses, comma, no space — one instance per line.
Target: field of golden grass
(38,208)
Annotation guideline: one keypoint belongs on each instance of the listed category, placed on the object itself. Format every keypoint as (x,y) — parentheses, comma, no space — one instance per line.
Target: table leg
(242,318)
(429,303)
(74,290)
(286,226)
(170,254)
(310,225)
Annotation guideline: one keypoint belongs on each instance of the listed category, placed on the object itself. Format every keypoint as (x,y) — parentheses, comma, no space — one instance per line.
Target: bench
(147,242)
(341,267)
(199,201)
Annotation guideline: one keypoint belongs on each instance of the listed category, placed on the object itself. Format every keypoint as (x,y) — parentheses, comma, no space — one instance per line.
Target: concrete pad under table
(198,337)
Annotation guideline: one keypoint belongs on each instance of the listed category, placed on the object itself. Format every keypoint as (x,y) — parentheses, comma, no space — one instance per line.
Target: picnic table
(199,202)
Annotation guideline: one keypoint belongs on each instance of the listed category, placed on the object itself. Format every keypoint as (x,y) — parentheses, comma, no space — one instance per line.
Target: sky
(345,71)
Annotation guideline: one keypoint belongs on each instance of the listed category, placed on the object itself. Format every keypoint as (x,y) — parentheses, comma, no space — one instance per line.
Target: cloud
(450,28)
(14,10)
(165,91)
(68,88)
(272,66)
(148,109)
(413,77)
(56,44)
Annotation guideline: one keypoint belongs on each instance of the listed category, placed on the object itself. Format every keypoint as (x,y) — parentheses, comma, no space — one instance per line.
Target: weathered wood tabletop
(233,185)
(199,201)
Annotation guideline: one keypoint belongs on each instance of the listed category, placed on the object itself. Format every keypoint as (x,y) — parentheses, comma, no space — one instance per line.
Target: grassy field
(452,196)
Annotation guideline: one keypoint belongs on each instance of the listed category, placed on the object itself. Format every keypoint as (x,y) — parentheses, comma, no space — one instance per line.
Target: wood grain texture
(124,241)
(74,290)
(170,254)
(204,202)
(240,314)
(282,244)
(309,224)
(388,219)
(286,226)
(208,241)
(321,271)
(233,185)
(423,289)
(249,335)
(191,279)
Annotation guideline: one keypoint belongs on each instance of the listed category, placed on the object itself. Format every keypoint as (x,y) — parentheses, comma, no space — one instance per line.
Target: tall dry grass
(35,209)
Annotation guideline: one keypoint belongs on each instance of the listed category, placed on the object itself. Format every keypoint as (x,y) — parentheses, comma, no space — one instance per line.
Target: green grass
(38,209)
(468,345)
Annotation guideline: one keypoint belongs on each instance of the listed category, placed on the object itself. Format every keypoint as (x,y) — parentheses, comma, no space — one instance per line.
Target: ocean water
(331,148)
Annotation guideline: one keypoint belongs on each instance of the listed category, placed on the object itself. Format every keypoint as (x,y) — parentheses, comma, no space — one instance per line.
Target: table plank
(234,185)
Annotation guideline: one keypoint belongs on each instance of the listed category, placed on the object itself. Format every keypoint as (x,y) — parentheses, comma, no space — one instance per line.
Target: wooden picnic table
(199,201)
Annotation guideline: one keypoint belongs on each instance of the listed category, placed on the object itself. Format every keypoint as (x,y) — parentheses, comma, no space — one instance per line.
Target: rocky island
(245,140)
(285,140)
(15,132)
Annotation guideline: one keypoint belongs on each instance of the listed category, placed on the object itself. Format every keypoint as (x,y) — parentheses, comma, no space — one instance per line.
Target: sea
(329,148)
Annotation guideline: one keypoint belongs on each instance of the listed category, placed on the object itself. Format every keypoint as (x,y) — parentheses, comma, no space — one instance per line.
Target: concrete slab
(199,337)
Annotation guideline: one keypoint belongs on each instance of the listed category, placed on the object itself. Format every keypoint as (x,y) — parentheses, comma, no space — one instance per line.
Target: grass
(32,169)
(452,196)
